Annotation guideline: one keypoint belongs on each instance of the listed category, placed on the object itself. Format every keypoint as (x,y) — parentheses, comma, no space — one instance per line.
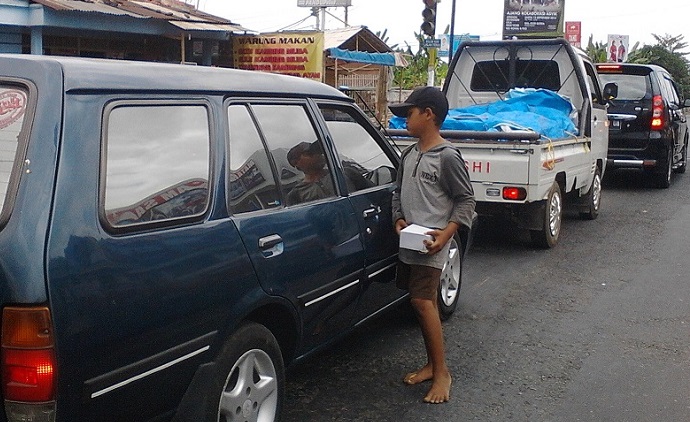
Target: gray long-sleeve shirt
(433,189)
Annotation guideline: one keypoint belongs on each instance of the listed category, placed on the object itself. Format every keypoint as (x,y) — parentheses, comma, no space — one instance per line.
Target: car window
(157,162)
(630,87)
(13,106)
(670,89)
(251,181)
(364,163)
(302,165)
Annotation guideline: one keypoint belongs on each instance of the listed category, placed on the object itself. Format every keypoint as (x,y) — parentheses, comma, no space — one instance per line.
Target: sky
(402,18)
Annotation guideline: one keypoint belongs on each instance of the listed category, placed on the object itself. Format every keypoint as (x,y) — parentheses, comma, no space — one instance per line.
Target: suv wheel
(251,377)
(451,280)
(684,159)
(663,178)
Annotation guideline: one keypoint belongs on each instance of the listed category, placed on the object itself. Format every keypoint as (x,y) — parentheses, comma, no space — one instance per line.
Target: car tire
(548,236)
(662,180)
(251,377)
(683,165)
(451,280)
(593,198)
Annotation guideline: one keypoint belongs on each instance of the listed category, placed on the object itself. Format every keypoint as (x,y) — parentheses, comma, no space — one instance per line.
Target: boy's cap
(423,97)
(301,148)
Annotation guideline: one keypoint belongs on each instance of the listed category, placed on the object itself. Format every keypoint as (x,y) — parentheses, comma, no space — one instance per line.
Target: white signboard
(617,48)
(324,3)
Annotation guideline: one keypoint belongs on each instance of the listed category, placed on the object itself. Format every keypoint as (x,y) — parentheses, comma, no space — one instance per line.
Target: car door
(368,165)
(309,251)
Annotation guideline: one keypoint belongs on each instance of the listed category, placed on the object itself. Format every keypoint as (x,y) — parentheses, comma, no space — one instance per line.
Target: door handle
(269,241)
(371,212)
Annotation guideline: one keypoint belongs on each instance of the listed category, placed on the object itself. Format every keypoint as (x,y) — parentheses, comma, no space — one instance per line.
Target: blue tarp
(540,110)
(386,59)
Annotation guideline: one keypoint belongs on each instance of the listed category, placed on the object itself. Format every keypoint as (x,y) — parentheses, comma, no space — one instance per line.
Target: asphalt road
(595,329)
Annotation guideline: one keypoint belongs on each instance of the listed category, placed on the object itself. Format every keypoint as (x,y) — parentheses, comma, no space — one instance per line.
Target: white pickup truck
(520,174)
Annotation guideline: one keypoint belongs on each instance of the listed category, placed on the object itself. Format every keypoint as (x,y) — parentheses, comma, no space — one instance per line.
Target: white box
(413,237)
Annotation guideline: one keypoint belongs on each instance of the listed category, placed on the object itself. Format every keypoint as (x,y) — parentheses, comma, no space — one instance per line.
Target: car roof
(88,74)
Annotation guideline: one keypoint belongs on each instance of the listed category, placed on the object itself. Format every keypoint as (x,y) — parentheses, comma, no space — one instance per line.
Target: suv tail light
(657,112)
(28,364)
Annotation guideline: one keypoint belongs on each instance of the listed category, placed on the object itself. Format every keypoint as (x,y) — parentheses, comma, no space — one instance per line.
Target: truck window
(13,106)
(157,162)
(495,75)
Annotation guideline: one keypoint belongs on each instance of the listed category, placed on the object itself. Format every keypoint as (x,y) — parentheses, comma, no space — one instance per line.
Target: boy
(434,191)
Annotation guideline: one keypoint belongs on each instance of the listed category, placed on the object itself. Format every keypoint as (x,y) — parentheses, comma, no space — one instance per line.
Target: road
(595,329)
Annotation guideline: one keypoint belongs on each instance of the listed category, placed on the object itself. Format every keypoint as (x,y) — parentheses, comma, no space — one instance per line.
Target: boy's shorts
(421,281)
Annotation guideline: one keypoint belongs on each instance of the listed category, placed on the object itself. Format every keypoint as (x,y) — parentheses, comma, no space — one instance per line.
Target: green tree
(666,53)
(417,73)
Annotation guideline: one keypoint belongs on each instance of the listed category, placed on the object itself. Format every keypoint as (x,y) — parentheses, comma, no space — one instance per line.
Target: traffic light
(429,15)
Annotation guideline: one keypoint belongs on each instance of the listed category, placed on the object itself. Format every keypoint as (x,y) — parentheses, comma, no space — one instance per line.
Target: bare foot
(424,374)
(440,389)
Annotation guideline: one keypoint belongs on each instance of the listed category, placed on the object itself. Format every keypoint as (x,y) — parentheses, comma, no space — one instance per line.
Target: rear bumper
(628,163)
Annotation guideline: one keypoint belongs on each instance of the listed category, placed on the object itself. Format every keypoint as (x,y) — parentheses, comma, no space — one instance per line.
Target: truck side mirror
(610,91)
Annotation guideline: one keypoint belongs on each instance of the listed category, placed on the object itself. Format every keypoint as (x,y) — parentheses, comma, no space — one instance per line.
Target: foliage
(417,73)
(666,53)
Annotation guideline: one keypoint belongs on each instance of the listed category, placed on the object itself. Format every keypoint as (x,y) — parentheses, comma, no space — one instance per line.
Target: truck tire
(251,377)
(451,280)
(593,198)
(548,236)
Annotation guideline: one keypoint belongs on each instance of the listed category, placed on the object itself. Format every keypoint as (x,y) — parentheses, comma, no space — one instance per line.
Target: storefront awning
(384,59)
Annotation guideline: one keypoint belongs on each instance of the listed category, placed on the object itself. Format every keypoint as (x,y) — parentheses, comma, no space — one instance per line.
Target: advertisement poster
(573,33)
(533,19)
(617,48)
(457,39)
(288,53)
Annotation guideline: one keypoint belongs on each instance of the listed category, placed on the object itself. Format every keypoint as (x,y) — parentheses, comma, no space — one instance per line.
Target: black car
(648,128)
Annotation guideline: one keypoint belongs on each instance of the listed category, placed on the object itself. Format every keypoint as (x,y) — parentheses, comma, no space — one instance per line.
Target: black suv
(648,129)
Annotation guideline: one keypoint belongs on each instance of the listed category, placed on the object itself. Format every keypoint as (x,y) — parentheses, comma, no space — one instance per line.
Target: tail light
(28,364)
(657,112)
(514,194)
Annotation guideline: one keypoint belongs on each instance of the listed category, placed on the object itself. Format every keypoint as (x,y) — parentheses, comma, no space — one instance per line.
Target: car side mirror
(610,91)
(686,103)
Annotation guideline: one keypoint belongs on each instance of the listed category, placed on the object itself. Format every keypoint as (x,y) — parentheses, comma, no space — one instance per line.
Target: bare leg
(436,368)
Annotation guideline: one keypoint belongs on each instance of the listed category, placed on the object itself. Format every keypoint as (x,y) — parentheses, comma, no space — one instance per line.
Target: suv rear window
(630,87)
(495,75)
(13,105)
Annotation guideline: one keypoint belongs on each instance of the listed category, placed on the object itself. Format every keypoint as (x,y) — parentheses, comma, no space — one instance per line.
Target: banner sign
(288,53)
(533,18)
(617,48)
(573,33)
(457,39)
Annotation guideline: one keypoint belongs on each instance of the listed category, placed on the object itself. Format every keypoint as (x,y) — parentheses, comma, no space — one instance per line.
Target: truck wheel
(251,377)
(451,280)
(663,179)
(548,236)
(593,198)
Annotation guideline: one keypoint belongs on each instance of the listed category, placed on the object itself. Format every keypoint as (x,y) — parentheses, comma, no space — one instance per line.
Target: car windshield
(630,87)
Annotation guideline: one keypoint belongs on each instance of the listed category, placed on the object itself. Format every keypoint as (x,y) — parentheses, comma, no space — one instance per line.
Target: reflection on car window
(364,162)
(13,105)
(305,175)
(630,87)
(251,181)
(157,163)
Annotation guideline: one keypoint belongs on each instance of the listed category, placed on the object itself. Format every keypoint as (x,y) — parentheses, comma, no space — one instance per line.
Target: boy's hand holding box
(413,237)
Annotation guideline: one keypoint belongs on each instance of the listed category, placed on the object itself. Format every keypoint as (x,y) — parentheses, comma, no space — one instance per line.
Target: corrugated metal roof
(359,36)
(205,26)
(177,13)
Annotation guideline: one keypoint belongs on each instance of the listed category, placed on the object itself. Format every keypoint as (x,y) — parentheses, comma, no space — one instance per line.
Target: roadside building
(151,30)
